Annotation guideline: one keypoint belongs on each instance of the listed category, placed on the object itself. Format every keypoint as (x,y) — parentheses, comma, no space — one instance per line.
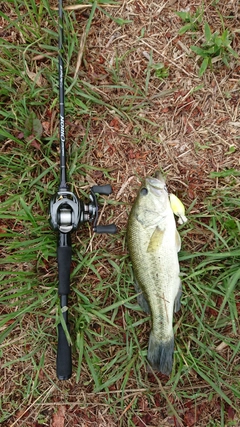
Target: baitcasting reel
(67,212)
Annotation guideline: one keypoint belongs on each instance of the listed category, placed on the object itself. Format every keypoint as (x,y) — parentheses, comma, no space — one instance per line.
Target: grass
(192,22)
(123,120)
(216,45)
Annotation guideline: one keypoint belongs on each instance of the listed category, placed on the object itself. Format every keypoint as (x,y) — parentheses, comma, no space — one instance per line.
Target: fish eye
(144,191)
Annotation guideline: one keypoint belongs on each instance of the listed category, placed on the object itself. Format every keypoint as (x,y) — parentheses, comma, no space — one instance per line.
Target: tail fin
(160,354)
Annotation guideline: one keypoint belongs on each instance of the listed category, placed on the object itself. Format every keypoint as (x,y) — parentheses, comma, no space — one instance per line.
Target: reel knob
(109,229)
(102,189)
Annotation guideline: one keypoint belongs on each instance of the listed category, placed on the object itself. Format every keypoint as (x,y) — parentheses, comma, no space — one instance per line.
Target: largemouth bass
(153,243)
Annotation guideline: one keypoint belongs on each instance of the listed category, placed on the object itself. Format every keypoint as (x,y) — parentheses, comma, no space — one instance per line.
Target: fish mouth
(156,186)
(159,176)
(157,182)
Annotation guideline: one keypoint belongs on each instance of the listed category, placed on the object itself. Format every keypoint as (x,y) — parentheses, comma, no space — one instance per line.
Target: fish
(153,244)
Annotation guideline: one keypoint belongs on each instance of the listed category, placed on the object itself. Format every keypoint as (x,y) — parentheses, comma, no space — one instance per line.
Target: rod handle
(64,355)
(64,256)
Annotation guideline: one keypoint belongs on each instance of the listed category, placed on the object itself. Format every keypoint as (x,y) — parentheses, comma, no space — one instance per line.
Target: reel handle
(109,229)
(102,189)
(105,190)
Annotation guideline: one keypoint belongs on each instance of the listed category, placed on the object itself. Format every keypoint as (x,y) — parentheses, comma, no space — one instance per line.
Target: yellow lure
(178,208)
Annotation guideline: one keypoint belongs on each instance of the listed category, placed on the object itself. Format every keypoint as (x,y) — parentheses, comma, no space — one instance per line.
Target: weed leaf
(185,28)
(207,32)
(199,51)
(203,67)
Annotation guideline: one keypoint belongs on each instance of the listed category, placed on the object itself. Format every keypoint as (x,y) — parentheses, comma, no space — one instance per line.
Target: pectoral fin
(178,241)
(156,240)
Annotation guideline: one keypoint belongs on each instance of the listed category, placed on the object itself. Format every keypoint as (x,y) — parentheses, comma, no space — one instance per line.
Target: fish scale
(153,244)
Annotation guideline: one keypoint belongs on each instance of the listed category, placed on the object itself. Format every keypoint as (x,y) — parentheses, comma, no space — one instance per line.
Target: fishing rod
(66,213)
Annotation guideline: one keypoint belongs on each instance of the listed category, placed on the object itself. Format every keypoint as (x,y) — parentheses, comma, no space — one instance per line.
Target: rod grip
(64,355)
(64,256)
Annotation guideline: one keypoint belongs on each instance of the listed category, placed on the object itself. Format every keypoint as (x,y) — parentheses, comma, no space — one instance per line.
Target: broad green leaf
(185,16)
(185,28)
(235,54)
(203,67)
(37,128)
(225,60)
(207,32)
(199,51)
